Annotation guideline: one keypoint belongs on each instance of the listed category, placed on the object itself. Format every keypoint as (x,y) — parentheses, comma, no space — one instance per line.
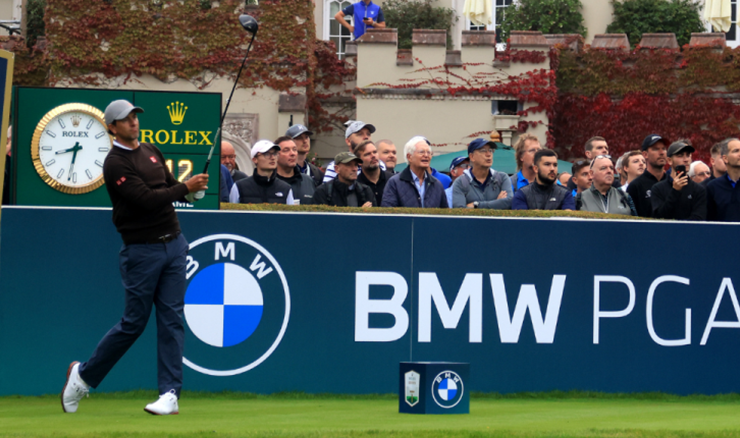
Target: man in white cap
(152,261)
(263,187)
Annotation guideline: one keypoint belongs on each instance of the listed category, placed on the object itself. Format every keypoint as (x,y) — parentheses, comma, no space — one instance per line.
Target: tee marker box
(434,388)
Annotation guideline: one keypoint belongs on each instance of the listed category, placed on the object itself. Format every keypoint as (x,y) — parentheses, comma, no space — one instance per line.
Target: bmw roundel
(237,305)
(447,389)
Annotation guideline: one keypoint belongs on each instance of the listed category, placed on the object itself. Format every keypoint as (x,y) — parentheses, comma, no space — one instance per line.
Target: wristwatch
(475,204)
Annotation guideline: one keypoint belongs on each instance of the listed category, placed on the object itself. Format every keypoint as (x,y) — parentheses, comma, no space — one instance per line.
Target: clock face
(69,146)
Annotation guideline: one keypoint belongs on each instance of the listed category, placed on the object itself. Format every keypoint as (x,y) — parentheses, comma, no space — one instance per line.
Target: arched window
(334,31)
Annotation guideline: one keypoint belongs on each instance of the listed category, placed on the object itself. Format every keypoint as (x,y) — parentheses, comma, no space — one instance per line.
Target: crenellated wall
(433,92)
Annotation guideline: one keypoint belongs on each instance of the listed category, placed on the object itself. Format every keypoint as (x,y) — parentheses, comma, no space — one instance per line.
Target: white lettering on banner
(191,267)
(510,325)
(544,329)
(598,313)
(471,291)
(259,266)
(229,251)
(649,313)
(364,306)
(726,285)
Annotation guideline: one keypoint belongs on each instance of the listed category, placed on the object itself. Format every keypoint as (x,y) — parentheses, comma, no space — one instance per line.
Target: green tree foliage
(547,16)
(35,21)
(407,15)
(635,17)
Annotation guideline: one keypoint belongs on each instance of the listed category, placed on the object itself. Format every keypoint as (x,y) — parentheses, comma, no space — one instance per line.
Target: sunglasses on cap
(597,157)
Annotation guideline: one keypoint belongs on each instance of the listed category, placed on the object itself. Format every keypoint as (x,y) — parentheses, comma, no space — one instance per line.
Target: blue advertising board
(334,302)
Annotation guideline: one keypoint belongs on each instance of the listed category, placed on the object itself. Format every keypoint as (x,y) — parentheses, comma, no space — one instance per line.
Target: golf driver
(250,25)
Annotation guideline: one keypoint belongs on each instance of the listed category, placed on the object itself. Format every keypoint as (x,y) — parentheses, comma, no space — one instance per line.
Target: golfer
(152,261)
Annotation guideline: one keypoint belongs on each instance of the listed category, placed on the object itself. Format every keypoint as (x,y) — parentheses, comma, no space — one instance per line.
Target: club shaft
(228,102)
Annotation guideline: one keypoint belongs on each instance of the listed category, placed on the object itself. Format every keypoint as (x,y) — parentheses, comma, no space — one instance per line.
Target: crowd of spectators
(658,180)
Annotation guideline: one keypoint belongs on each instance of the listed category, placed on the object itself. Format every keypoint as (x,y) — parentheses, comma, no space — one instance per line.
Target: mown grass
(292,415)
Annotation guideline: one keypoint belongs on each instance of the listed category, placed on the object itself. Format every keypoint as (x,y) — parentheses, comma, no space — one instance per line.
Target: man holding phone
(678,197)
(365,15)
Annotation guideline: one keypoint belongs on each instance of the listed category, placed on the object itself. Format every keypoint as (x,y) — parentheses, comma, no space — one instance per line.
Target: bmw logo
(447,389)
(237,305)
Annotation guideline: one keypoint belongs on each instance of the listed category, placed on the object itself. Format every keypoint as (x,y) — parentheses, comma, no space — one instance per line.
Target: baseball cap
(119,110)
(457,161)
(678,146)
(479,143)
(357,126)
(296,130)
(263,146)
(651,140)
(346,157)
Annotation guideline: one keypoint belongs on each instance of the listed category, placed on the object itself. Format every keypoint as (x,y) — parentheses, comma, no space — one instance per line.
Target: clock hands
(74,149)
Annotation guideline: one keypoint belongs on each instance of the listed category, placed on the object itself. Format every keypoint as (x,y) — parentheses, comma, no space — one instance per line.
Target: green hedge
(423,211)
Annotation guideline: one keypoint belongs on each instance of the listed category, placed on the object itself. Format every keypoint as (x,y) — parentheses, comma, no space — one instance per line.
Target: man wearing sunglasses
(601,197)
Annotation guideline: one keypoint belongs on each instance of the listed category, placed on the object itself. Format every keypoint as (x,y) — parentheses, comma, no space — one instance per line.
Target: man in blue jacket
(415,186)
(365,14)
(723,193)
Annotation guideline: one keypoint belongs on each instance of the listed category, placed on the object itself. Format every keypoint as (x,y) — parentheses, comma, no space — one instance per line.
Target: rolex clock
(69,146)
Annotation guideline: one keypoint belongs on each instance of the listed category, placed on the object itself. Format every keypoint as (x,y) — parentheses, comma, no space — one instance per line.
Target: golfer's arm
(378,25)
(340,18)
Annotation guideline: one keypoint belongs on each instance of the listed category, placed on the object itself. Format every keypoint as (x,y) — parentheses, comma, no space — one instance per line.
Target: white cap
(263,146)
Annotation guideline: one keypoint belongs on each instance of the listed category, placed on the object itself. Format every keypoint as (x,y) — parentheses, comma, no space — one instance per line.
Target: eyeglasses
(707,173)
(485,151)
(598,157)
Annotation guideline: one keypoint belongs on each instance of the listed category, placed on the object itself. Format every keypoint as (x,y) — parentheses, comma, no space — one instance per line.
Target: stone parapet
(379,36)
(520,39)
(479,38)
(714,39)
(659,41)
(611,41)
(571,41)
(429,37)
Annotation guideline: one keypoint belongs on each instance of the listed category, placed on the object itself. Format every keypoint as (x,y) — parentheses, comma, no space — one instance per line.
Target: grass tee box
(433,388)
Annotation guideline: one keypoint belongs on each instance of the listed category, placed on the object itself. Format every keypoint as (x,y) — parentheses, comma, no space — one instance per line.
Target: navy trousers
(152,274)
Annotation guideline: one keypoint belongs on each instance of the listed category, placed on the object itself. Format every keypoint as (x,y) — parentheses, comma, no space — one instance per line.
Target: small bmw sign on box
(434,388)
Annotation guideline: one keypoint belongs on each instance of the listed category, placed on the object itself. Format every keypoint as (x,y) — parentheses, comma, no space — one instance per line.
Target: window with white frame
(333,31)
(499,12)
(733,39)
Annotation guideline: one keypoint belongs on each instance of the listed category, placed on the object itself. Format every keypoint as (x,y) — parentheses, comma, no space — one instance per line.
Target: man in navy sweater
(723,193)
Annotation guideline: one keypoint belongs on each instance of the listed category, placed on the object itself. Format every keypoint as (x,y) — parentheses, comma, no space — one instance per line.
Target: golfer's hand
(502,195)
(197,183)
(351,29)
(367,204)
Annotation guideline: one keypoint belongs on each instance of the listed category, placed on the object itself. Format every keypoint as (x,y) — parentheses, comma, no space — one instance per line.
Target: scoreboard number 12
(184,169)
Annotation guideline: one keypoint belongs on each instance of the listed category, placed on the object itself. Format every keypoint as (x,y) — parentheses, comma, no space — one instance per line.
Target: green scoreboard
(60,142)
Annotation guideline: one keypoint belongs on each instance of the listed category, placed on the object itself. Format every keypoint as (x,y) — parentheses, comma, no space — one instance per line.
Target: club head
(249,23)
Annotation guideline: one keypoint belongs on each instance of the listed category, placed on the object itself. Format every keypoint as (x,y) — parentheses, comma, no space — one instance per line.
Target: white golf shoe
(166,405)
(74,389)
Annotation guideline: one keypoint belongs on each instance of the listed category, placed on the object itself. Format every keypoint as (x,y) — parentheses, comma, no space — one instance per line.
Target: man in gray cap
(677,196)
(301,136)
(356,133)
(345,190)
(152,261)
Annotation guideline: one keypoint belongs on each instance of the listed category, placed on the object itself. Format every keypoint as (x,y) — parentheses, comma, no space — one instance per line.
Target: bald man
(228,159)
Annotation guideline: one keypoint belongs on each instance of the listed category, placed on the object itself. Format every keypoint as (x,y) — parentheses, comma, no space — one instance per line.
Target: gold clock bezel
(39,131)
